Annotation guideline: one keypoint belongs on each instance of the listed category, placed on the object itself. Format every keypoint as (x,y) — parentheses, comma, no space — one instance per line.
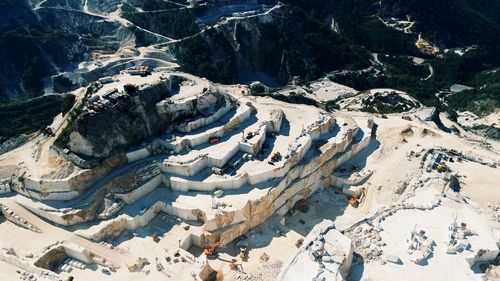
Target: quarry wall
(69,187)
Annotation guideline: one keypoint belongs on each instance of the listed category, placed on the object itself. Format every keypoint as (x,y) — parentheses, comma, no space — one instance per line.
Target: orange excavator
(211,250)
(357,198)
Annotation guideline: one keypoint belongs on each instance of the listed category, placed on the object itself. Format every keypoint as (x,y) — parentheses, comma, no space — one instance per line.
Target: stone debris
(269,271)
(325,255)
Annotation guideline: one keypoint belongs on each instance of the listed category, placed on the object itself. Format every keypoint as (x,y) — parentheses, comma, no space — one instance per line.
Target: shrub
(67,103)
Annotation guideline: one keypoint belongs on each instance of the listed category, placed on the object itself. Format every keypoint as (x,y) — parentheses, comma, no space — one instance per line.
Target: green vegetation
(196,58)
(300,43)
(357,22)
(296,98)
(385,104)
(293,45)
(306,47)
(152,5)
(30,53)
(175,23)
(405,66)
(28,116)
(67,103)
(62,84)
(491,132)
(63,138)
(469,69)
(449,23)
(331,105)
(483,99)
(455,23)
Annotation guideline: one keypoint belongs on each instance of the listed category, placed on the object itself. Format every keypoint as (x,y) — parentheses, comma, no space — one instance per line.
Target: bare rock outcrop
(131,118)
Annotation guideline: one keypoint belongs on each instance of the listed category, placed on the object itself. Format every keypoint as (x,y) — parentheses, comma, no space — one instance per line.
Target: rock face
(130,119)
(64,188)
(51,259)
(128,122)
(271,47)
(298,183)
(56,34)
(326,254)
(107,6)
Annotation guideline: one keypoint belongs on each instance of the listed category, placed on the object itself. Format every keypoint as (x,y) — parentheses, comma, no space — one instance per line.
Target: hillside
(250,140)
(420,47)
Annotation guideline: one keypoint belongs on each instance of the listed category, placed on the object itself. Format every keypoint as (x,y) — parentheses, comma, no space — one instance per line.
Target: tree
(67,103)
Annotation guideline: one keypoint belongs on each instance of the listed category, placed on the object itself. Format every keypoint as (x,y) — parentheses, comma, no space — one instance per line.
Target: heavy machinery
(137,265)
(155,237)
(276,157)
(233,266)
(358,197)
(244,253)
(211,250)
(442,167)
(354,202)
(250,135)
(214,140)
(299,242)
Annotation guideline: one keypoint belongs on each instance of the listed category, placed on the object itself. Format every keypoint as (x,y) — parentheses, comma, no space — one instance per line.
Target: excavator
(211,250)
(244,253)
(358,197)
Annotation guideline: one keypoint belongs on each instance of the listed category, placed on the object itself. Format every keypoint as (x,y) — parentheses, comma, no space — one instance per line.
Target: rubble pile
(367,242)
(269,272)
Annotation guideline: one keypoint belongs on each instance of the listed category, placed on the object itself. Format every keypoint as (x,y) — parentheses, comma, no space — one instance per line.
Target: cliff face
(39,39)
(237,49)
(107,6)
(127,122)
(271,47)
(134,118)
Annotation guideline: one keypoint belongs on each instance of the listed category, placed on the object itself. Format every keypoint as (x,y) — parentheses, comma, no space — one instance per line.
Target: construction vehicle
(250,135)
(233,266)
(244,253)
(276,157)
(442,167)
(214,140)
(211,250)
(355,167)
(159,266)
(299,242)
(155,237)
(137,265)
(353,202)
(217,171)
(357,198)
